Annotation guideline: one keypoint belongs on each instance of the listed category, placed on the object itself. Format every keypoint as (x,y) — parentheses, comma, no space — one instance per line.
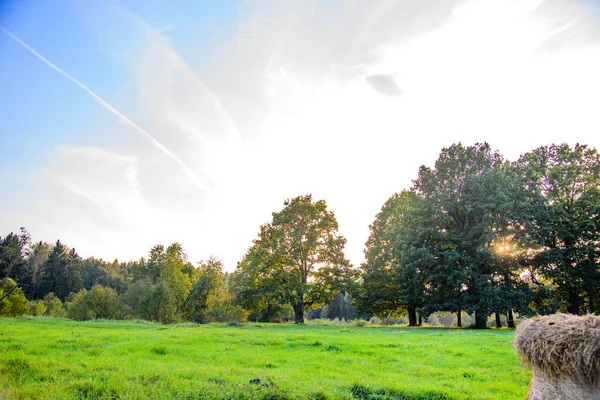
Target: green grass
(56,358)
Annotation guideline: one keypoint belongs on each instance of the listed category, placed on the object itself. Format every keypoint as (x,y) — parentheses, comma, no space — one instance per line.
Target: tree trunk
(420,320)
(498,321)
(574,303)
(510,320)
(412,316)
(480,320)
(591,303)
(459,319)
(299,311)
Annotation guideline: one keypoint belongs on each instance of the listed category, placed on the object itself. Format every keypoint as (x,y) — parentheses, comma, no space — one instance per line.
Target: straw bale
(564,353)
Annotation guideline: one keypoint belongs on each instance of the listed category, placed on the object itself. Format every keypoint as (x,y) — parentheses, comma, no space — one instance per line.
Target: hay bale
(564,353)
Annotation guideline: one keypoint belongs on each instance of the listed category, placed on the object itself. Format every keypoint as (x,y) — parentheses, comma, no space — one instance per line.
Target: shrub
(134,295)
(158,305)
(15,303)
(37,308)
(54,307)
(221,308)
(99,302)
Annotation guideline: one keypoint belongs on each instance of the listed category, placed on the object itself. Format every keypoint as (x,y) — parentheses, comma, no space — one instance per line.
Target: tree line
(475,233)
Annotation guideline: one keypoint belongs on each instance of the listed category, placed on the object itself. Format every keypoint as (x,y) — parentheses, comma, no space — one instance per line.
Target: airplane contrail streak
(113,110)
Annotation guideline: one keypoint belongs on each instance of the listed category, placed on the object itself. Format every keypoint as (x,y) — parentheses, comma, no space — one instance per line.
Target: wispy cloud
(195,178)
(295,106)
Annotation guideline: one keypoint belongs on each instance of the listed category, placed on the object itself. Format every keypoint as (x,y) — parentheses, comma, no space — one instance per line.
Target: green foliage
(340,307)
(474,234)
(168,267)
(467,206)
(159,304)
(209,281)
(54,307)
(381,292)
(12,300)
(34,269)
(136,292)
(172,273)
(63,273)
(297,259)
(13,251)
(99,302)
(37,308)
(564,185)
(99,272)
(221,307)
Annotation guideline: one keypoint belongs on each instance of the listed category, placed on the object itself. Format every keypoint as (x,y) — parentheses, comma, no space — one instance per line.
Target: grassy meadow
(51,358)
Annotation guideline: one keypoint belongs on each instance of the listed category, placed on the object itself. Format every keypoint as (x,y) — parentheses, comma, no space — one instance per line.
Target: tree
(54,307)
(172,273)
(298,258)
(62,272)
(468,206)
(99,302)
(12,300)
(264,305)
(37,308)
(221,306)
(136,291)
(99,272)
(159,305)
(35,267)
(340,308)
(381,292)
(209,281)
(14,248)
(564,184)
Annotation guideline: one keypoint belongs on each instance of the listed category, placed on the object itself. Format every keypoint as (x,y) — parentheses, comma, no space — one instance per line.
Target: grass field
(57,358)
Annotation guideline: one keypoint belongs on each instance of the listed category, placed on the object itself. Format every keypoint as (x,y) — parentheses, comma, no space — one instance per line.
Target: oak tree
(297,258)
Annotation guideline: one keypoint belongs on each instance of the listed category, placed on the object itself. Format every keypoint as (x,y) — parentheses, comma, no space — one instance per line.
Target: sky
(130,123)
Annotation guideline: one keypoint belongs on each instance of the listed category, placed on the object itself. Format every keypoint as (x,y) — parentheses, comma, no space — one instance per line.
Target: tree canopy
(298,258)
(475,233)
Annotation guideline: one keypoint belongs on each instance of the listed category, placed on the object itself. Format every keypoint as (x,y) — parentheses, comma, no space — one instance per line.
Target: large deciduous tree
(298,258)
(468,206)
(383,278)
(565,181)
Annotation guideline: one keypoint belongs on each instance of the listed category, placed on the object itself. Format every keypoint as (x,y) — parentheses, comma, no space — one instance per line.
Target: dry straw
(564,353)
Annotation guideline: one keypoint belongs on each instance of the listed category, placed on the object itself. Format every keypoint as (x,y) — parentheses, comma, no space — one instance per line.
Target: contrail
(113,110)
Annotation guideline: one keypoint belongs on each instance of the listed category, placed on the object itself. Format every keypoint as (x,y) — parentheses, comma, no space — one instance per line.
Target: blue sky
(194,120)
(39,108)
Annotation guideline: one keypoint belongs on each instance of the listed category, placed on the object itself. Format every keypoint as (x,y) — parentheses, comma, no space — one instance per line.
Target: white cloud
(293,109)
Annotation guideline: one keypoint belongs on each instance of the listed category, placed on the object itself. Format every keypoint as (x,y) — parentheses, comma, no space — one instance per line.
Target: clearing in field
(56,358)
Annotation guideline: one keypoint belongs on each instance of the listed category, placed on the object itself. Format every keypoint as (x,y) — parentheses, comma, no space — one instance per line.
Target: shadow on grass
(364,393)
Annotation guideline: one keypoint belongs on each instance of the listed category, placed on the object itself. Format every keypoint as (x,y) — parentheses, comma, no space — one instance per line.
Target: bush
(134,295)
(221,308)
(99,302)
(37,308)
(158,305)
(54,307)
(15,303)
